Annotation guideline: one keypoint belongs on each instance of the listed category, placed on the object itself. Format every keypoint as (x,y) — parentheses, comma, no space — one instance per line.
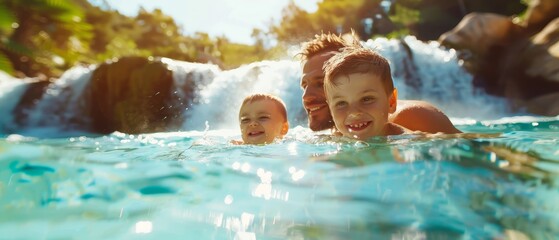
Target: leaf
(6,19)
(12,46)
(5,64)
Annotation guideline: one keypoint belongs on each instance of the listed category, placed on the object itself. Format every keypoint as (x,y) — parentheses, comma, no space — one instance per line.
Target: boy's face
(359,105)
(261,122)
(314,100)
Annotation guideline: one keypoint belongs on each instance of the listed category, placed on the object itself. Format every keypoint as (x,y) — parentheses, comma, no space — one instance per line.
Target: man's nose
(311,93)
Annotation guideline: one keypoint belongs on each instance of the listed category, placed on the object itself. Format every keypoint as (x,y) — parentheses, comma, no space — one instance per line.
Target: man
(414,115)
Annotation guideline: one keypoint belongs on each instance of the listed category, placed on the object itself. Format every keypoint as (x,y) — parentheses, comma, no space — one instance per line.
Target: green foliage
(49,36)
(426,19)
(6,20)
(43,34)
(295,24)
(404,16)
(5,64)
(120,47)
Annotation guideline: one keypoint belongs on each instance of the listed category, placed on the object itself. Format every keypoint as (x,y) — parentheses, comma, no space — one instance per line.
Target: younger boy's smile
(261,122)
(255,133)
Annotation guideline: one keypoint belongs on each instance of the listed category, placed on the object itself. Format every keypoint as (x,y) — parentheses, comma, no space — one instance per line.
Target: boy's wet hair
(358,60)
(262,96)
(327,42)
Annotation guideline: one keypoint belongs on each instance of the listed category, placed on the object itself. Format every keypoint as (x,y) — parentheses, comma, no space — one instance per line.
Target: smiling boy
(412,114)
(262,119)
(360,94)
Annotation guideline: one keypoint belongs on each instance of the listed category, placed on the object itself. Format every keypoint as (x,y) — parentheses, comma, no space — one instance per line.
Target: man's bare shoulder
(422,116)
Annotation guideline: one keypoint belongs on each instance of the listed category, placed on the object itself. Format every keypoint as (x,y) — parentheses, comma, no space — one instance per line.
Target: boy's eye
(340,104)
(368,99)
(264,118)
(245,120)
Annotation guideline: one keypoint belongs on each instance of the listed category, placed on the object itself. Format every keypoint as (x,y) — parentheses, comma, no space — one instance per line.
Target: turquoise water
(196,185)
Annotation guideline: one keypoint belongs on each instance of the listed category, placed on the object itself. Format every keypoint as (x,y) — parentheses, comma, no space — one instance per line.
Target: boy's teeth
(357,125)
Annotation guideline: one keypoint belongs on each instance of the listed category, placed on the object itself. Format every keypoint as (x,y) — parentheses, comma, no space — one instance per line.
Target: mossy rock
(132,95)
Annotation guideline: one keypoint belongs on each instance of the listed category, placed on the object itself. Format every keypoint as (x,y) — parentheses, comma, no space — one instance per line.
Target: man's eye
(303,85)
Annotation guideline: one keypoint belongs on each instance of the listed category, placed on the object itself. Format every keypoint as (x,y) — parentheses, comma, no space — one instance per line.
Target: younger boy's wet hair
(327,42)
(262,96)
(358,60)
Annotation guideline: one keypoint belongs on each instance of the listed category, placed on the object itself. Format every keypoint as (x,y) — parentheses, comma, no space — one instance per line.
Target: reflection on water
(500,183)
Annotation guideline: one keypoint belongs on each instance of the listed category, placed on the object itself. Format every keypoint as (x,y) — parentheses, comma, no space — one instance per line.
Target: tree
(44,34)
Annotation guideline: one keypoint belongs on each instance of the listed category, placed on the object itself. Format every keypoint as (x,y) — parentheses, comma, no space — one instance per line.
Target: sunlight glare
(298,175)
(144,227)
(228,199)
(236,165)
(245,168)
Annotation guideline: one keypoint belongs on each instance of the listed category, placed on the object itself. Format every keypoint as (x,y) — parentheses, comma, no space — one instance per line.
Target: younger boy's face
(261,122)
(359,105)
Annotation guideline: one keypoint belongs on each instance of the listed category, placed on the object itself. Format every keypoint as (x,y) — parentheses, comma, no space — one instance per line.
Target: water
(59,181)
(199,186)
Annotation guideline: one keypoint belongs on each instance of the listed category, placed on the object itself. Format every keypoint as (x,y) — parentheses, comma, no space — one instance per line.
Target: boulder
(543,53)
(540,12)
(478,32)
(132,95)
(547,105)
(33,93)
(515,59)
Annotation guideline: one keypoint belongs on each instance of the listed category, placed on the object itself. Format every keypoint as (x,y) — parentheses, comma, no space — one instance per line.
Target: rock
(530,66)
(543,53)
(478,32)
(540,13)
(547,105)
(29,99)
(515,59)
(132,95)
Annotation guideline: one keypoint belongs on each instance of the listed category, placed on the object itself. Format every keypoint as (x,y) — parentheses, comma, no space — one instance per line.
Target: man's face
(360,105)
(261,122)
(314,99)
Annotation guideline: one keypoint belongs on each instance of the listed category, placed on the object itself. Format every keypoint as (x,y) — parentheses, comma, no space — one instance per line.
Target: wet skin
(414,115)
(314,100)
(360,105)
(261,122)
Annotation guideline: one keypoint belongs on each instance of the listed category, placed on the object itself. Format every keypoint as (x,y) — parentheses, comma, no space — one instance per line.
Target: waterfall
(11,90)
(421,70)
(63,102)
(425,71)
(219,102)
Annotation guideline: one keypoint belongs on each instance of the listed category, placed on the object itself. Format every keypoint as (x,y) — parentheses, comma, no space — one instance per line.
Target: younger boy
(262,119)
(360,93)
